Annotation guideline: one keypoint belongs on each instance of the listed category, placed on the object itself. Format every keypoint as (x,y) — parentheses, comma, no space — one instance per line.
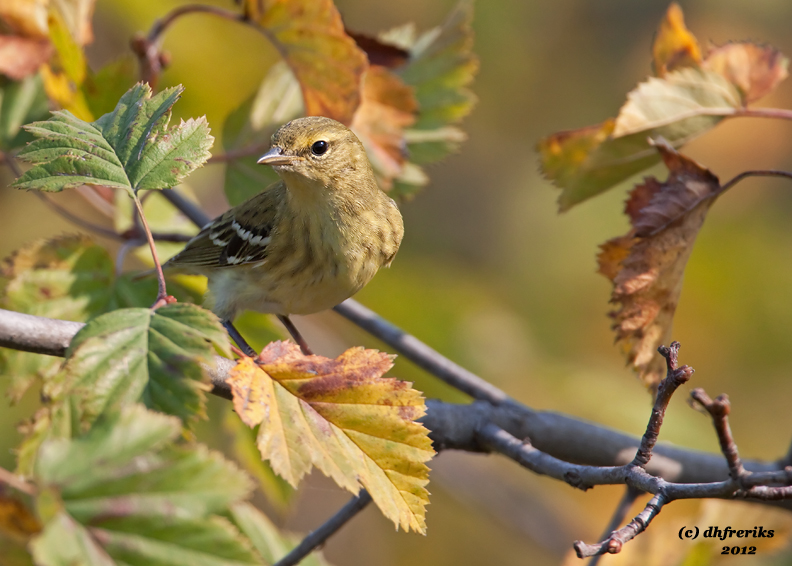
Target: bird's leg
(295,334)
(237,337)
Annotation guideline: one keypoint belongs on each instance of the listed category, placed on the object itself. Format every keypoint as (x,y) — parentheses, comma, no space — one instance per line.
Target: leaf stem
(12,480)
(162,291)
(782,113)
(755,173)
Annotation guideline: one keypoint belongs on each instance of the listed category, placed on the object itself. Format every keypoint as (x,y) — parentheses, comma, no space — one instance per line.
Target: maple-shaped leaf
(647,264)
(310,36)
(387,108)
(674,45)
(342,417)
(131,148)
(690,96)
(125,494)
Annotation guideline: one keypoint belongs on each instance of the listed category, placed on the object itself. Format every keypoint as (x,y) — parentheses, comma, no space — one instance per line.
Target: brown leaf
(674,46)
(328,64)
(22,56)
(386,109)
(343,417)
(16,520)
(379,52)
(754,69)
(647,264)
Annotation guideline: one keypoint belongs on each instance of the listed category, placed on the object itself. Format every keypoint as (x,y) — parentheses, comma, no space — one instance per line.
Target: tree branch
(318,537)
(457,426)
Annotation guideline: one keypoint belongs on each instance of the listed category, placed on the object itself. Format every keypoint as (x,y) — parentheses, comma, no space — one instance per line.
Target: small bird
(307,242)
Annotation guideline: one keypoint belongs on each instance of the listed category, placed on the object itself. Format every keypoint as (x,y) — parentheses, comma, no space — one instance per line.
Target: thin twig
(754,173)
(298,338)
(781,113)
(191,210)
(147,48)
(162,291)
(719,411)
(82,223)
(629,497)
(13,480)
(319,536)
(614,543)
(405,344)
(675,376)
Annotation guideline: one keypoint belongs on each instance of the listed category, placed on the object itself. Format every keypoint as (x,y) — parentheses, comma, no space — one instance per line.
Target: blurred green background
(491,276)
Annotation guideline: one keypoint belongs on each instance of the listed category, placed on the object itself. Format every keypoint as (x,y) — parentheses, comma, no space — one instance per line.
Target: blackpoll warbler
(307,242)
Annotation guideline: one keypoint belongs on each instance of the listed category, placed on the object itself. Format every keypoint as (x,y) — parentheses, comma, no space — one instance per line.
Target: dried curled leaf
(647,264)
(674,46)
(342,417)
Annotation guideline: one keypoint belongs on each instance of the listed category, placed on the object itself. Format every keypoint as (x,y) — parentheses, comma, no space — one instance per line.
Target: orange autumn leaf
(310,36)
(647,264)
(754,69)
(689,97)
(16,520)
(341,416)
(674,46)
(388,106)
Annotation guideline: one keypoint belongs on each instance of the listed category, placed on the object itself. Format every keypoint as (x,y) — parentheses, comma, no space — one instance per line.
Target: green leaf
(441,67)
(271,544)
(20,102)
(142,499)
(128,354)
(276,102)
(242,441)
(64,542)
(130,148)
(126,464)
(678,107)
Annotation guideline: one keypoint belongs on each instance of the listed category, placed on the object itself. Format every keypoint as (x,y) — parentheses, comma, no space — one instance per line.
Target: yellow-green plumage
(306,243)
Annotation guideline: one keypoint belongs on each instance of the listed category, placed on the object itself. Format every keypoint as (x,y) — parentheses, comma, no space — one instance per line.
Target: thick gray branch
(455,426)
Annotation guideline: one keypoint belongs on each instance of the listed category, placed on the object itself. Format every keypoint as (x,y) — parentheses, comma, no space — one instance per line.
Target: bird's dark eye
(320,147)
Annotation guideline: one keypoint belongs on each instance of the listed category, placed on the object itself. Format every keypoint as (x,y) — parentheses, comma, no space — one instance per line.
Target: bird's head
(318,150)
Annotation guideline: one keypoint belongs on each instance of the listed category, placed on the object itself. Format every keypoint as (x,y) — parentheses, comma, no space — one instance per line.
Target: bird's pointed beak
(275,157)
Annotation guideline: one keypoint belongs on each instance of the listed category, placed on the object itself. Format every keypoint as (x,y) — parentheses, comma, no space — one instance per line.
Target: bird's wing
(239,236)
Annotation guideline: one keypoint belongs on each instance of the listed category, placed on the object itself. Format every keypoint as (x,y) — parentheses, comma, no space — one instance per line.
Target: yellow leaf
(674,46)
(310,36)
(63,80)
(342,417)
(647,264)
